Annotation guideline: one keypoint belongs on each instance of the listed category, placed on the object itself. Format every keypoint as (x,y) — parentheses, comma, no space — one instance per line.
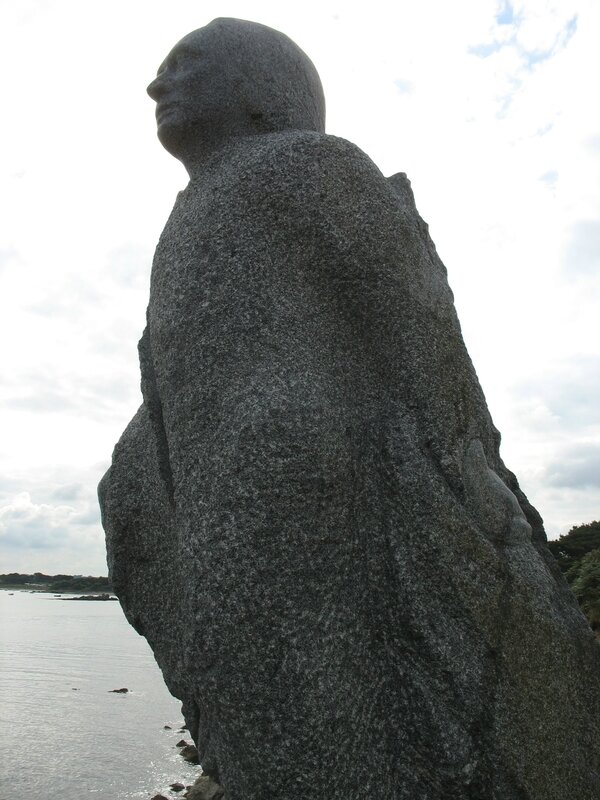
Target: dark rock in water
(159,797)
(167,728)
(182,743)
(118,691)
(205,788)
(308,518)
(177,787)
(189,753)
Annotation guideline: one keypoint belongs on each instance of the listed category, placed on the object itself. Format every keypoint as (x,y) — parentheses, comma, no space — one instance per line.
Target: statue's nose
(156,88)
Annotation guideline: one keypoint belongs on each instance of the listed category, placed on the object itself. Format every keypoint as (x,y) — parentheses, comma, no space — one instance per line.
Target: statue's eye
(170,64)
(183,58)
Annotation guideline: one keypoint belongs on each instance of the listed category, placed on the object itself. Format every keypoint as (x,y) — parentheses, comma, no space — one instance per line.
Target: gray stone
(189,753)
(308,518)
(205,788)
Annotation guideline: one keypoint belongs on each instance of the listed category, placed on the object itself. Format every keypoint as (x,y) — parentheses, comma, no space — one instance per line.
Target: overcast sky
(490,107)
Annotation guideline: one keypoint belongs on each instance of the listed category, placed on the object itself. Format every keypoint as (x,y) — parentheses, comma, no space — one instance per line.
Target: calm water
(61,744)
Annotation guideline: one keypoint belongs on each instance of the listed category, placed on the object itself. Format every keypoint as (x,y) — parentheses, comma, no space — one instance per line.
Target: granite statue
(308,517)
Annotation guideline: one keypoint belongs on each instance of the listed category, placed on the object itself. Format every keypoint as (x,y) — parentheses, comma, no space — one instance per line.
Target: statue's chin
(192,140)
(187,142)
(173,138)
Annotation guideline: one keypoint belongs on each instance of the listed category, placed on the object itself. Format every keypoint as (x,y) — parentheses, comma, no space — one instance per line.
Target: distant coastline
(63,584)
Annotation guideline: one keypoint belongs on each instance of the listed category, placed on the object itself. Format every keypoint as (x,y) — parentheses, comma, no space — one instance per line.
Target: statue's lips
(163,110)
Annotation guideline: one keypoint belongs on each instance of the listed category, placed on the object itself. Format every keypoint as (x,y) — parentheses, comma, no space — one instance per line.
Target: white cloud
(30,530)
(544,26)
(27,525)
(582,251)
(576,467)
(568,389)
(54,522)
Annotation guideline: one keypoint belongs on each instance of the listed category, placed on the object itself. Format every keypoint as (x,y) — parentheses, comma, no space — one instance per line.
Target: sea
(64,734)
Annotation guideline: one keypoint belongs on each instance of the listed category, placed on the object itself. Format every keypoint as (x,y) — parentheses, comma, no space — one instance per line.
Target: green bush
(570,548)
(578,556)
(586,586)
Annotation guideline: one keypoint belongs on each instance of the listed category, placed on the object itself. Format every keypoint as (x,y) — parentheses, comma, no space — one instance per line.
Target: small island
(102,596)
(94,587)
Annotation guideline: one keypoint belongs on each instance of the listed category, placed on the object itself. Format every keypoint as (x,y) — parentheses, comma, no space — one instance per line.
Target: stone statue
(308,517)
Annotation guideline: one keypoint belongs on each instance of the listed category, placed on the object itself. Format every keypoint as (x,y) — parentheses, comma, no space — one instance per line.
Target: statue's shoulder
(335,168)
(308,144)
(281,180)
(302,151)
(309,166)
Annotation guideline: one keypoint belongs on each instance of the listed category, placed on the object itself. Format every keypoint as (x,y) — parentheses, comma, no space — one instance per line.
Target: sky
(489,106)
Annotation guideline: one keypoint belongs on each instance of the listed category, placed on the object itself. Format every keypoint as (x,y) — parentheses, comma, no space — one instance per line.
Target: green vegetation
(578,556)
(585,582)
(569,549)
(55,583)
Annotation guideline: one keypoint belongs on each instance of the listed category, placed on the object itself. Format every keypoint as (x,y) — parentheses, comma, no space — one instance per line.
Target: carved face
(195,101)
(174,88)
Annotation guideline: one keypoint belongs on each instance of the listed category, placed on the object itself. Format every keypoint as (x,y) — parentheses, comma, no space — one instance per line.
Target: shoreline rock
(190,754)
(102,597)
(205,788)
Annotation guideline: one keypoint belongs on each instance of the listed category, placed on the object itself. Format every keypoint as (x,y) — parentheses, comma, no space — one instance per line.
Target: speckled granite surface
(309,519)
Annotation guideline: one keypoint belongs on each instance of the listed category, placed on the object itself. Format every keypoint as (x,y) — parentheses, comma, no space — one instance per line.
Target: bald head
(233,78)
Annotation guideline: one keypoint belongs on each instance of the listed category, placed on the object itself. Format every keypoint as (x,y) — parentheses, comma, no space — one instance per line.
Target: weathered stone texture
(309,519)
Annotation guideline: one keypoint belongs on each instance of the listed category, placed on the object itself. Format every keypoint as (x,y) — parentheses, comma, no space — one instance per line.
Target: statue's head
(229,79)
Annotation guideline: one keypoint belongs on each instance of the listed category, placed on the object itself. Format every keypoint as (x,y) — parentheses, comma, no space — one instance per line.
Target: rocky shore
(91,597)
(203,788)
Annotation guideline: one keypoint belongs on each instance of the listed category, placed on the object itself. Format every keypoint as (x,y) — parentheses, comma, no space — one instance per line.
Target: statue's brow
(184,50)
